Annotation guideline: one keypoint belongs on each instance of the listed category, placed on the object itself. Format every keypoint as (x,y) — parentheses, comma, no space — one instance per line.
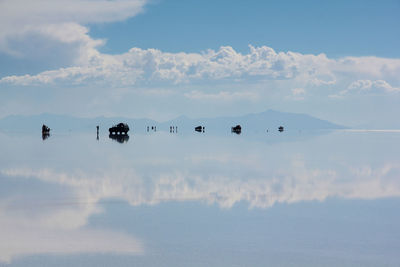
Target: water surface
(200,199)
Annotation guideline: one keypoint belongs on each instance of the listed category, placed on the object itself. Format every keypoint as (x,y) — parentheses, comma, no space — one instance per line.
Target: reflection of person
(45,135)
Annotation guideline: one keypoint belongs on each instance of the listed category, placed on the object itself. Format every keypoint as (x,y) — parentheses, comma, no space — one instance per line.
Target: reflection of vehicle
(120,138)
(280,128)
(199,129)
(120,128)
(237,129)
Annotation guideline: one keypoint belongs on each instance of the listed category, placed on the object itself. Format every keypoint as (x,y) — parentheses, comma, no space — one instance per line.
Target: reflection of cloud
(378,183)
(35,222)
(59,228)
(286,185)
(19,240)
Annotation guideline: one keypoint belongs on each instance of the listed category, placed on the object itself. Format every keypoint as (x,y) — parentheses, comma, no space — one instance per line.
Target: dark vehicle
(120,128)
(280,128)
(237,129)
(120,138)
(199,129)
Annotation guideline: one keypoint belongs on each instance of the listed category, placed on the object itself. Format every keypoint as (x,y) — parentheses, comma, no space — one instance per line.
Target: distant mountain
(269,119)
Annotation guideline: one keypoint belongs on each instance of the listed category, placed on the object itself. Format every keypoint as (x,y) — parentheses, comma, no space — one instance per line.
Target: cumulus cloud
(33,28)
(260,64)
(42,31)
(367,85)
(23,12)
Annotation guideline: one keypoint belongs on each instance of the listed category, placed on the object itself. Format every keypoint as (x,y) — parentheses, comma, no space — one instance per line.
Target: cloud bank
(147,67)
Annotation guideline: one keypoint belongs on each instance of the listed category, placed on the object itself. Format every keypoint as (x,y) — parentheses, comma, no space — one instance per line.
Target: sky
(336,60)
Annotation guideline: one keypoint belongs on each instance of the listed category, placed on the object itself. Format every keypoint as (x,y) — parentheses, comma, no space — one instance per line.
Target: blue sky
(336,60)
(336,28)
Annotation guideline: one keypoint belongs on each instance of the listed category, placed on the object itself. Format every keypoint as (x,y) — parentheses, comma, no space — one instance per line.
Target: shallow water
(200,199)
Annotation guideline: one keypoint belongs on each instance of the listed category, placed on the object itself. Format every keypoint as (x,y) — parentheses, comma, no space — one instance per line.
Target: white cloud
(28,28)
(30,31)
(297,94)
(42,31)
(262,64)
(221,96)
(24,12)
(367,85)
(298,91)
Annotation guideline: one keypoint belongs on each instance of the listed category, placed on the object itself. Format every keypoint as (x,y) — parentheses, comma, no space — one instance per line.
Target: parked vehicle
(237,129)
(120,128)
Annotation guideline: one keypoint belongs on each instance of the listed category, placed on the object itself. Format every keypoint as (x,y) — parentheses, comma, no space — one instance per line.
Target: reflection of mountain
(259,122)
